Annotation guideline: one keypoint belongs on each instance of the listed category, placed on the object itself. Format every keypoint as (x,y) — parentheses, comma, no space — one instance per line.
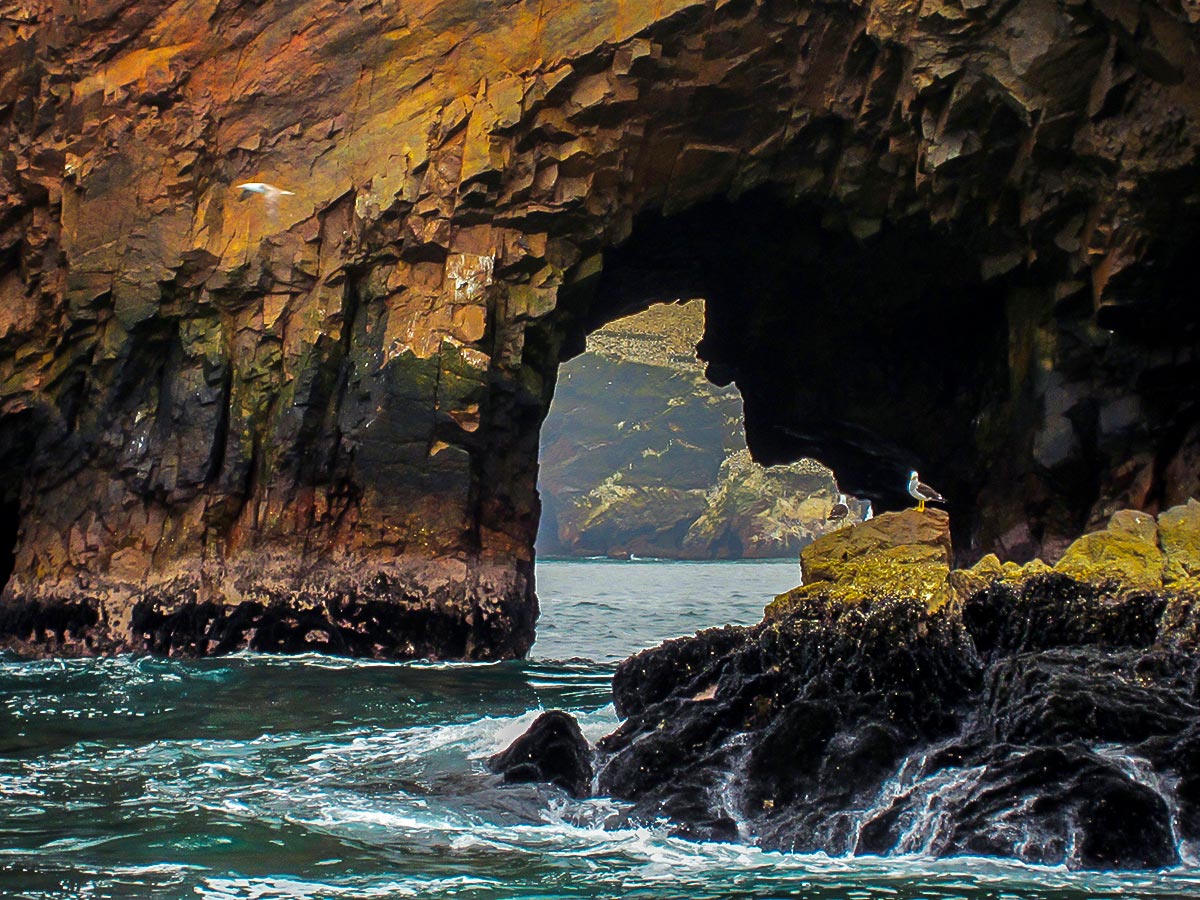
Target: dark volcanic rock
(805,714)
(377,615)
(1059,611)
(553,751)
(1042,718)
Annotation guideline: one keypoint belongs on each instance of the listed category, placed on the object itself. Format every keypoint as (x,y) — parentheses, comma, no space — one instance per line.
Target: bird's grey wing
(929,492)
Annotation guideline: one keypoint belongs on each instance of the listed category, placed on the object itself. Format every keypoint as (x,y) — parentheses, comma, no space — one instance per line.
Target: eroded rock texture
(315,426)
(1032,715)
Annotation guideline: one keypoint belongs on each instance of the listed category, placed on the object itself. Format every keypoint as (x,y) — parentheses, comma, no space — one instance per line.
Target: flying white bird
(922,493)
(270,193)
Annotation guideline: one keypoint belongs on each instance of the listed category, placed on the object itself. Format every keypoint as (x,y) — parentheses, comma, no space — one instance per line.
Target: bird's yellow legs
(920,506)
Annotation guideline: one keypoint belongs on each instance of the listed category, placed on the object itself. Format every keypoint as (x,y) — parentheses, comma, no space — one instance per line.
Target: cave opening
(642,456)
(866,345)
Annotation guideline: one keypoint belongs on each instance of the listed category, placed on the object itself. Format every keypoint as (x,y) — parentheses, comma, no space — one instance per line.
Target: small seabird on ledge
(270,193)
(840,510)
(922,493)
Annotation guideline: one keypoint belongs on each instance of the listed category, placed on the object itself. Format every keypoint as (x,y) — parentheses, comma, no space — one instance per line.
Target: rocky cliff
(641,455)
(894,706)
(313,423)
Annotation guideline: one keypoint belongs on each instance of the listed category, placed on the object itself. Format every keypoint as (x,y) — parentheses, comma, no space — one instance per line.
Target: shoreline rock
(552,751)
(1014,711)
(405,609)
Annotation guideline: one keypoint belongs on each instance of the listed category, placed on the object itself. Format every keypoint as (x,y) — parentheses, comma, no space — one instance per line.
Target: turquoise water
(313,777)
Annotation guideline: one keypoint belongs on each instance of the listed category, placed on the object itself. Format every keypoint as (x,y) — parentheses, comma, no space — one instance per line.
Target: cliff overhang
(940,235)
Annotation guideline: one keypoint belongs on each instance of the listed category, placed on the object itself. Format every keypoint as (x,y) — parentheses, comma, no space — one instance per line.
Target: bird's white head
(912,477)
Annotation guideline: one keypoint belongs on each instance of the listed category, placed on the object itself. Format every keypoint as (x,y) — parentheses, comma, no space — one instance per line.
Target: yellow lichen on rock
(1179,537)
(903,554)
(990,568)
(1126,552)
(908,555)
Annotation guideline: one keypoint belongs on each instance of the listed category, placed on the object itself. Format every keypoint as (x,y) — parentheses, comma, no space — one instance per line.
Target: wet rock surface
(991,204)
(1029,715)
(553,751)
(386,613)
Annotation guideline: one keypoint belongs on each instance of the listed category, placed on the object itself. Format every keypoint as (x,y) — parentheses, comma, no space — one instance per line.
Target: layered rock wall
(313,424)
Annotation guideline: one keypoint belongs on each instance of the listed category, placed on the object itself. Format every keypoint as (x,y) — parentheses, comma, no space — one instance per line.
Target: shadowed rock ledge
(231,416)
(889,708)
(402,609)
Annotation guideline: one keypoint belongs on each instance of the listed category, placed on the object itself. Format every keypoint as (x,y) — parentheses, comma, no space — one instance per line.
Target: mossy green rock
(904,554)
(990,568)
(1126,552)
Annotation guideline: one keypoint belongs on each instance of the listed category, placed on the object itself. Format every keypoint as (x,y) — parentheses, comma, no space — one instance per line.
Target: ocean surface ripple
(318,777)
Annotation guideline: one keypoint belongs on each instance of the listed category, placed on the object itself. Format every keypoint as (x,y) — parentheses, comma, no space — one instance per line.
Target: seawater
(315,777)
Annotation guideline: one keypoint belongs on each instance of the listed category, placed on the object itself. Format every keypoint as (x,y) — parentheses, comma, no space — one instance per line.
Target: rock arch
(315,426)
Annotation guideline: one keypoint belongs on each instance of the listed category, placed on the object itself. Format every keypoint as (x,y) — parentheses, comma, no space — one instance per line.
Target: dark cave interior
(10,527)
(873,354)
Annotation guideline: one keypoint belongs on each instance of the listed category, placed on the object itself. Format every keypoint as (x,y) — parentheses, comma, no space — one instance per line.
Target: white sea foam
(317,777)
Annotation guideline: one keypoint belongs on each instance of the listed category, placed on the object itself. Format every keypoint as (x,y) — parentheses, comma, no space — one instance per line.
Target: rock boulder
(904,554)
(552,751)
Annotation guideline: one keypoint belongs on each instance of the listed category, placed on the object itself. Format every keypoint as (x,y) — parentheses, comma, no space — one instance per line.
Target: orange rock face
(310,421)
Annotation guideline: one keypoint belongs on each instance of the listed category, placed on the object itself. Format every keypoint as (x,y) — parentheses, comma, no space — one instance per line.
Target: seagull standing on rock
(922,493)
(270,193)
